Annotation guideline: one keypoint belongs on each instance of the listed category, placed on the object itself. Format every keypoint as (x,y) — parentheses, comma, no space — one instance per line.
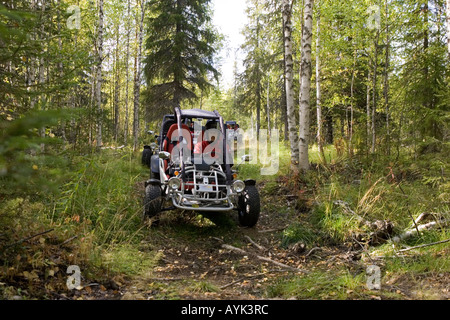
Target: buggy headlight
(238,186)
(174,183)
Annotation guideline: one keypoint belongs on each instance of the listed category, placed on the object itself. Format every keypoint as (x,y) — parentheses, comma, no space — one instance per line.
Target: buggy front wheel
(152,201)
(249,207)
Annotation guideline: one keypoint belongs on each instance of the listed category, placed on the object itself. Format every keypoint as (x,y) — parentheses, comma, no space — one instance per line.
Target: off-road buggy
(193,170)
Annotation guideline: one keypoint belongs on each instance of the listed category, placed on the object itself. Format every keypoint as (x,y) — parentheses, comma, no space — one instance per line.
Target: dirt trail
(194,265)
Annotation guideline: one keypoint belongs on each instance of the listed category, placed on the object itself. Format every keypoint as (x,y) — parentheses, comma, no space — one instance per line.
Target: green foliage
(128,259)
(320,285)
(102,195)
(181,48)
(300,233)
(23,166)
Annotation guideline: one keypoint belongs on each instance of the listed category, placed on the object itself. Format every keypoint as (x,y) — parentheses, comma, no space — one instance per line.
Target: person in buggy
(210,144)
(202,183)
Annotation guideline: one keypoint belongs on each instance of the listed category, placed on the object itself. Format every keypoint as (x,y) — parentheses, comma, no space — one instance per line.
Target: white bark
(268,104)
(116,89)
(374,92)
(137,75)
(318,90)
(98,90)
(127,75)
(423,227)
(386,82)
(304,120)
(448,27)
(42,71)
(368,106)
(352,94)
(289,72)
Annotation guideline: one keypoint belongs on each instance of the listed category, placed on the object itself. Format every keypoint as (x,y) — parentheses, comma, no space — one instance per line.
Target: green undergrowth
(90,215)
(346,189)
(320,285)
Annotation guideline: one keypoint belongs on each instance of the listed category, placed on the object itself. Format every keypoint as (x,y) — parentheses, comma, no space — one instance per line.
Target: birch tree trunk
(368,108)
(258,84)
(448,27)
(386,83)
(374,93)
(352,95)
(92,104)
(116,90)
(42,79)
(306,86)
(98,91)
(319,91)
(137,75)
(289,72)
(268,105)
(127,76)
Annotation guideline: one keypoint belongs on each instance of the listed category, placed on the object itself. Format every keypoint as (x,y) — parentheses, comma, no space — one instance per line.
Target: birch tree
(127,74)
(304,120)
(448,27)
(289,74)
(318,90)
(98,91)
(137,73)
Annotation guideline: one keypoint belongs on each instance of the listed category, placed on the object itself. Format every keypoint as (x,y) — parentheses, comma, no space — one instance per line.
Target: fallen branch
(68,240)
(242,279)
(166,279)
(421,217)
(344,205)
(428,226)
(272,230)
(312,250)
(381,229)
(261,248)
(28,238)
(112,148)
(424,245)
(245,253)
(407,208)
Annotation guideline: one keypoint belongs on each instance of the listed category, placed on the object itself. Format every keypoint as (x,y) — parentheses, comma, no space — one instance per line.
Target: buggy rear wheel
(146,156)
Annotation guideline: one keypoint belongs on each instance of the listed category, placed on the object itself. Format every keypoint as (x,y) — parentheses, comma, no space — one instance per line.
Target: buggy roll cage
(180,115)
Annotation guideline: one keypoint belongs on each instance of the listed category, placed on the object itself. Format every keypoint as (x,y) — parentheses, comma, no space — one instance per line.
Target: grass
(103,196)
(98,200)
(320,285)
(384,191)
(129,260)
(97,207)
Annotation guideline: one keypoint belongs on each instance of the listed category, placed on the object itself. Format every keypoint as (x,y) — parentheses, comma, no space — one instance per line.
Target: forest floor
(194,265)
(191,263)
(296,251)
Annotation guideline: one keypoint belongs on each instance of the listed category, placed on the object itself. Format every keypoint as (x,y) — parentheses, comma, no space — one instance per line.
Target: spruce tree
(181,46)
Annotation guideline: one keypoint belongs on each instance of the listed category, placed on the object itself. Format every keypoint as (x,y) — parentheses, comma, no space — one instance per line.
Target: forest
(356,92)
